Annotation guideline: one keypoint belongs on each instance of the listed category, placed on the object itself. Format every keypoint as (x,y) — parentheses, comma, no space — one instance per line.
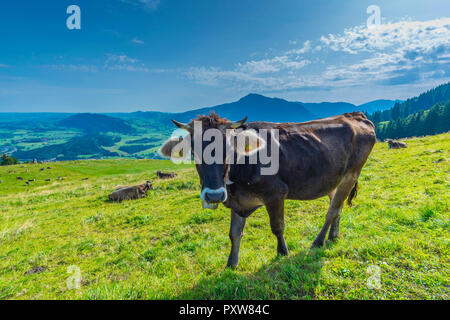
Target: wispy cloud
(146,4)
(395,53)
(137,41)
(72,67)
(251,74)
(304,49)
(401,52)
(406,35)
(273,65)
(112,62)
(124,63)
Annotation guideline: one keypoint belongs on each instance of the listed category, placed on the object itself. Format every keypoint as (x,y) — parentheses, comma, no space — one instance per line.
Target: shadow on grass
(292,277)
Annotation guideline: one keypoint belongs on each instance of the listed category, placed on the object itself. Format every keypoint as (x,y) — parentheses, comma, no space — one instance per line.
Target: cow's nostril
(215,197)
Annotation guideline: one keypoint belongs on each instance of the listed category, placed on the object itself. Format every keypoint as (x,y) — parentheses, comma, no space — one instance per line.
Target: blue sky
(175,55)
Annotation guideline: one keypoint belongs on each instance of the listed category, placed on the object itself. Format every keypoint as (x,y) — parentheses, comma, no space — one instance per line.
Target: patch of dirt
(39,269)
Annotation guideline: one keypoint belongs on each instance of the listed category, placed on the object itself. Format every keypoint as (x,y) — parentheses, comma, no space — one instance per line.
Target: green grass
(167,247)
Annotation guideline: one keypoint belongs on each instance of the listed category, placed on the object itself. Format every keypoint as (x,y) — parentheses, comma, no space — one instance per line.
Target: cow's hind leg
(276,215)
(236,229)
(334,230)
(334,211)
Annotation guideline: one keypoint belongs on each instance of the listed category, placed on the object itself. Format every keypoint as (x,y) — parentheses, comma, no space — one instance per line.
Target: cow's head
(203,132)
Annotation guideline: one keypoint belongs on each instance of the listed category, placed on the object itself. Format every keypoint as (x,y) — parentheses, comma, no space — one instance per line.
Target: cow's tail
(353,194)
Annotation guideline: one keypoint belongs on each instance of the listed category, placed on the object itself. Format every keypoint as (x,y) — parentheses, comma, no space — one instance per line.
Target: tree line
(423,102)
(6,160)
(426,114)
(427,122)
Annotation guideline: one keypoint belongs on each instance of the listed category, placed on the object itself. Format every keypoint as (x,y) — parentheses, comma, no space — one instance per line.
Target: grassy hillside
(90,145)
(166,246)
(96,123)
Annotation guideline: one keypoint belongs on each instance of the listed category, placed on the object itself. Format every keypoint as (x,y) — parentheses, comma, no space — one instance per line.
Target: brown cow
(164,175)
(131,193)
(316,158)
(396,144)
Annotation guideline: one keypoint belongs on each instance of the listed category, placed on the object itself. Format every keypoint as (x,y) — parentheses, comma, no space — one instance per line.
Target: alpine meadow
(166,246)
(225,159)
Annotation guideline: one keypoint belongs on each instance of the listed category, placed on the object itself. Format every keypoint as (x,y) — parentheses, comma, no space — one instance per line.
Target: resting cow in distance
(131,193)
(165,175)
(316,158)
(396,144)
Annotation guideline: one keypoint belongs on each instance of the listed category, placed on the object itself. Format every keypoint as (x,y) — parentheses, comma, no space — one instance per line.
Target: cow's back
(315,155)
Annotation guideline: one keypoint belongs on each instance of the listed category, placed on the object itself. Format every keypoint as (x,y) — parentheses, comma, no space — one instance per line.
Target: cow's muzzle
(212,197)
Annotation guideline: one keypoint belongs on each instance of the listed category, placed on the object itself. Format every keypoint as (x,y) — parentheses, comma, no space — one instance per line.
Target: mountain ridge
(261,108)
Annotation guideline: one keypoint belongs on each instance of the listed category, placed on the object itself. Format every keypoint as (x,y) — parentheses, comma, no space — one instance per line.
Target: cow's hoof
(232,263)
(317,244)
(283,252)
(333,238)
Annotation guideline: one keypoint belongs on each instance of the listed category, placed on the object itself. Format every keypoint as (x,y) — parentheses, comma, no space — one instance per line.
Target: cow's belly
(310,192)
(314,180)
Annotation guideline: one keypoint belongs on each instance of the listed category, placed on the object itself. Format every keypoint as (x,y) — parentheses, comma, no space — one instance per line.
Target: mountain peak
(253,97)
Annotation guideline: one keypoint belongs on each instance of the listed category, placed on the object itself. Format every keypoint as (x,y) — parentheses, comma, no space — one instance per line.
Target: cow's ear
(176,148)
(248,142)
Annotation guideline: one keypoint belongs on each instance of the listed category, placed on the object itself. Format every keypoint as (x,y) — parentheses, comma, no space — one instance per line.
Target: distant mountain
(257,108)
(328,109)
(261,108)
(378,105)
(88,145)
(96,123)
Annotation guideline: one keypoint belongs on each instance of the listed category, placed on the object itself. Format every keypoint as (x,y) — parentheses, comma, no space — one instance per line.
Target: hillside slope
(422,102)
(378,105)
(432,121)
(166,246)
(88,145)
(96,123)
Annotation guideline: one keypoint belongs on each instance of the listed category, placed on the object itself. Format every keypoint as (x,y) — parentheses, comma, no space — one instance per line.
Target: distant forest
(426,114)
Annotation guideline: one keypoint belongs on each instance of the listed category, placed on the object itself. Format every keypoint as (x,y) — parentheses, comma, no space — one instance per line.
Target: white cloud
(395,53)
(406,34)
(401,52)
(71,67)
(137,41)
(272,65)
(113,62)
(306,48)
(124,63)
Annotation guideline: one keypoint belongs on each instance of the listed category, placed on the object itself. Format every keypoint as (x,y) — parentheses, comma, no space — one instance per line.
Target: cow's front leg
(276,215)
(236,228)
